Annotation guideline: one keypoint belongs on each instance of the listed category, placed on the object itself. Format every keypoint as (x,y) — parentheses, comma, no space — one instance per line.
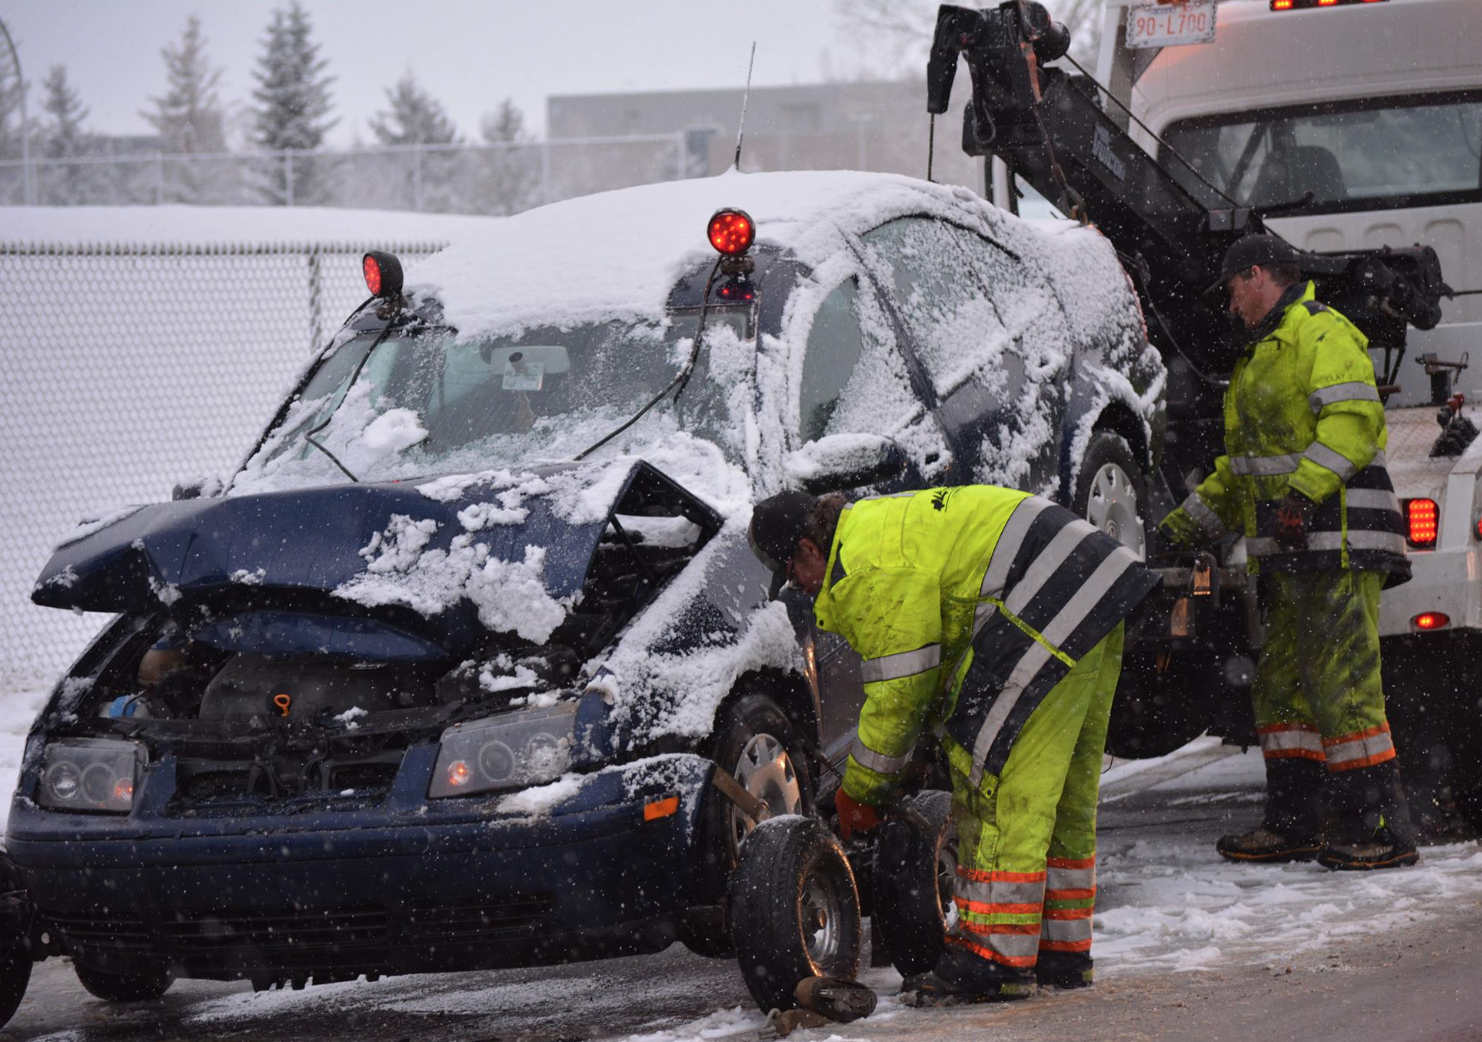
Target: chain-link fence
(501,178)
(129,369)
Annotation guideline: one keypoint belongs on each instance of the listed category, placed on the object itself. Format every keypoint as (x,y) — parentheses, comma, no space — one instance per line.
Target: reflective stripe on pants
(1291,741)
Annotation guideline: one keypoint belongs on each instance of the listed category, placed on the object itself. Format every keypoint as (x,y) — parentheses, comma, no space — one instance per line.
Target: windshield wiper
(676,385)
(309,436)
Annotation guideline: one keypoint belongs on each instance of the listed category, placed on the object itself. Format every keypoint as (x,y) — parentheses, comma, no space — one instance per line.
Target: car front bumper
(575,870)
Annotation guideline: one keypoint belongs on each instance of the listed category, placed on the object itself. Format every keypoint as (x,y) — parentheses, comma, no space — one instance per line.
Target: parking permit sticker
(520,375)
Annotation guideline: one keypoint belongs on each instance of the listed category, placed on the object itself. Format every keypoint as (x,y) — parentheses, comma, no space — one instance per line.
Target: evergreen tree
(414,118)
(62,137)
(293,105)
(511,173)
(188,116)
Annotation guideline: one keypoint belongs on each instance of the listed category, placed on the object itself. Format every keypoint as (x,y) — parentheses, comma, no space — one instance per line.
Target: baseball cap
(1252,250)
(777,523)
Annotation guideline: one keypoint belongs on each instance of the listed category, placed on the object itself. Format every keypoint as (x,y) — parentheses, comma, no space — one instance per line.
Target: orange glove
(853,815)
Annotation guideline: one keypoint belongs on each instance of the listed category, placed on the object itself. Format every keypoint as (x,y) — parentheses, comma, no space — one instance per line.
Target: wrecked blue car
(469,664)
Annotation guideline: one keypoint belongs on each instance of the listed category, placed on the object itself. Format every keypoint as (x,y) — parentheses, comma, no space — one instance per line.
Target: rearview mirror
(843,461)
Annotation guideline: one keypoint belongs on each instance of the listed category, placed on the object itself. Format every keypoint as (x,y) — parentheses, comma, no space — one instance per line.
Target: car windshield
(1384,149)
(433,402)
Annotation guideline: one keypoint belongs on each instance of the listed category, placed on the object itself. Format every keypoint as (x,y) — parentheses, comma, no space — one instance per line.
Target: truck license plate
(1170,25)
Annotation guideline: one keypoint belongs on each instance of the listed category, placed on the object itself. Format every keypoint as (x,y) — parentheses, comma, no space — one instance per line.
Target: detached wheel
(758,744)
(1110,491)
(794,910)
(915,874)
(141,986)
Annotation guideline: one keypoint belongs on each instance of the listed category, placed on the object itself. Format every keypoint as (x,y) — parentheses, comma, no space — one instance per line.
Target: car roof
(618,255)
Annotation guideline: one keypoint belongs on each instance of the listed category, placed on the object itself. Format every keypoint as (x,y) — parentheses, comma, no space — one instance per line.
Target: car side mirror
(843,461)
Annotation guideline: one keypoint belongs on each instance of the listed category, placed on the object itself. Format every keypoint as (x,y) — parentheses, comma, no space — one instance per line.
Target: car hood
(364,551)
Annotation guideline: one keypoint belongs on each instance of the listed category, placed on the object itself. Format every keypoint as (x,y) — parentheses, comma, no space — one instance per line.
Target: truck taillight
(1294,5)
(1431,620)
(1424,519)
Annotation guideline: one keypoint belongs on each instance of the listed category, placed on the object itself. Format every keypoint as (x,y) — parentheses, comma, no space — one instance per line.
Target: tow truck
(1176,152)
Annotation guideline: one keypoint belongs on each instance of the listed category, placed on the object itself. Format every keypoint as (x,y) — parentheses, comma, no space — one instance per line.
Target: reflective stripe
(990,953)
(878,762)
(1045,563)
(1363,749)
(1290,741)
(900,665)
(1390,542)
(1067,929)
(1338,463)
(1207,518)
(1357,391)
(1264,466)
(1009,542)
(1372,499)
(1112,568)
(1082,876)
(1000,888)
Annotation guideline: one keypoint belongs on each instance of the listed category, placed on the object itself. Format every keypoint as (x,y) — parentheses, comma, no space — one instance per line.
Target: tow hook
(725,782)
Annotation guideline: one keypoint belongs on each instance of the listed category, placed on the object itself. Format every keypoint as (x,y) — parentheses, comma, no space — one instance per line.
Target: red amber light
(457,774)
(1424,519)
(1431,620)
(123,790)
(731,232)
(372,275)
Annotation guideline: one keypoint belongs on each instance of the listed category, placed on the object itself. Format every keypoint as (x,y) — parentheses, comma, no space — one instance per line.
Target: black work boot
(1064,970)
(1292,827)
(961,977)
(1370,820)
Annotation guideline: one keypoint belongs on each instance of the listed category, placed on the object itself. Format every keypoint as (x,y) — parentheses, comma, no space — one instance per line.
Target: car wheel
(915,874)
(794,910)
(15,974)
(1111,491)
(140,986)
(758,744)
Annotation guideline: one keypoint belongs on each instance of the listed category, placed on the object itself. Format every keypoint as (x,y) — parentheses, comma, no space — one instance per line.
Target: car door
(991,337)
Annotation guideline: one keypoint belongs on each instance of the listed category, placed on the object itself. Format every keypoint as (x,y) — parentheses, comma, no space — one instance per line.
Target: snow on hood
(504,551)
(618,254)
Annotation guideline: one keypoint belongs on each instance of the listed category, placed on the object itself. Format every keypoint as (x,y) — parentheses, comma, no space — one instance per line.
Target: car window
(835,342)
(963,299)
(853,377)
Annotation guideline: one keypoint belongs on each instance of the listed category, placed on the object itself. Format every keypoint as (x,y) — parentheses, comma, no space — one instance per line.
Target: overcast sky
(468,53)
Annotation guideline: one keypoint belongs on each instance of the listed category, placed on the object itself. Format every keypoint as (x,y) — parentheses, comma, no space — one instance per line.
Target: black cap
(777,524)
(1250,251)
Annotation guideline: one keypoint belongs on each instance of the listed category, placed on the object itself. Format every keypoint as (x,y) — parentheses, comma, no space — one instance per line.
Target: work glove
(853,815)
(1180,530)
(1293,517)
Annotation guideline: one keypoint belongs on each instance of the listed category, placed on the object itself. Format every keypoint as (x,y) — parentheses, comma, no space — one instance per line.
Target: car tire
(1111,491)
(915,873)
(753,732)
(15,975)
(794,910)
(141,986)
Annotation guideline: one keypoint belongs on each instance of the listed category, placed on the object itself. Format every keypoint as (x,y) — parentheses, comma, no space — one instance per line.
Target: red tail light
(1424,521)
(1431,620)
(731,232)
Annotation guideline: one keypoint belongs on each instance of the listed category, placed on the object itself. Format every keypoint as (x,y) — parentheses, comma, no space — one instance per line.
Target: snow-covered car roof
(618,254)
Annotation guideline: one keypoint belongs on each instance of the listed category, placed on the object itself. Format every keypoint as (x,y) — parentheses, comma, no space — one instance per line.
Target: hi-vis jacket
(926,585)
(1302,413)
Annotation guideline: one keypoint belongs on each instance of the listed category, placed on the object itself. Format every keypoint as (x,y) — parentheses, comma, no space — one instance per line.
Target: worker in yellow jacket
(992,619)
(1303,478)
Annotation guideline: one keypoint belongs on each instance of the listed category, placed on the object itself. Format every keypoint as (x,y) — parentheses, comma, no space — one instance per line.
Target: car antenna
(741,128)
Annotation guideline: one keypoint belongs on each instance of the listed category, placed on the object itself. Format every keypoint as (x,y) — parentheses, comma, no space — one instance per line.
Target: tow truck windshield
(1335,156)
(431,402)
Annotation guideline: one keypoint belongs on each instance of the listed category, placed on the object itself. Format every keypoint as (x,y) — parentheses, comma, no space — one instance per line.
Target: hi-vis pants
(1317,692)
(1026,873)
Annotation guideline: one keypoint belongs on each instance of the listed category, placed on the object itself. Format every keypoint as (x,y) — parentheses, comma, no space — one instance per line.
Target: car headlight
(90,774)
(510,751)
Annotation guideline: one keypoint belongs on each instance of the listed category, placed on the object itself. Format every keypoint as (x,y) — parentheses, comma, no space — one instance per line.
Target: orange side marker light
(661,808)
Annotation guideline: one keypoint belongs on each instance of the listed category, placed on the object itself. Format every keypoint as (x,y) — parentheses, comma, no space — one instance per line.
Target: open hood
(389,555)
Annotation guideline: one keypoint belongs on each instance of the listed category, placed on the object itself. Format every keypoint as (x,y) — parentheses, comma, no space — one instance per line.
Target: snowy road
(1187,947)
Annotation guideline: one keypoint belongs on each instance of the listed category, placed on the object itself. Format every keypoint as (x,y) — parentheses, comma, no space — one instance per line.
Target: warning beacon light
(731,232)
(382,274)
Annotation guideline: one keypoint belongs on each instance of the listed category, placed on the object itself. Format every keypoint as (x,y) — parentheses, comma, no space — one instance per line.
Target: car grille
(299,930)
(100,932)
(480,916)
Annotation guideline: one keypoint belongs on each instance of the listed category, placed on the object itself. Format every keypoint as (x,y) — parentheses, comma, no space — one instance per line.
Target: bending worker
(993,618)
(1304,480)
